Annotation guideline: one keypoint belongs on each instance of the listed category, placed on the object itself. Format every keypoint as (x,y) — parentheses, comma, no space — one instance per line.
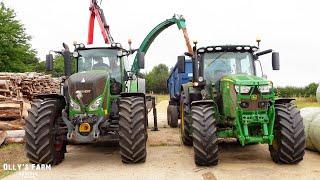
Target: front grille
(254,105)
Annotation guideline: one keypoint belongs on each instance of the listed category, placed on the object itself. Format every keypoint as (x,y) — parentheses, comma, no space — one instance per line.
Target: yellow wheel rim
(182,119)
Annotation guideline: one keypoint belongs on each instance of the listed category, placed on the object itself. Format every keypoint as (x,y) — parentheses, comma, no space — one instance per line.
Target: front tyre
(289,142)
(132,129)
(45,138)
(204,133)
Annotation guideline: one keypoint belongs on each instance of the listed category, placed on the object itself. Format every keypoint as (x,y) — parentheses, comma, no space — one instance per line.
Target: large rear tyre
(172,116)
(45,138)
(185,128)
(289,142)
(205,139)
(132,129)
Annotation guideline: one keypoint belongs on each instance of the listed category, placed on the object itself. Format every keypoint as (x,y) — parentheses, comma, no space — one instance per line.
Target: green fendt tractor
(96,104)
(226,99)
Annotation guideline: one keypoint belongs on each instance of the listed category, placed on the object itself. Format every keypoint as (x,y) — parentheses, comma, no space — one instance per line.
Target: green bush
(308,91)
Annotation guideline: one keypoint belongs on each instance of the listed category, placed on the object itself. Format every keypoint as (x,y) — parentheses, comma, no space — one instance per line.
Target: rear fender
(145,104)
(126,94)
(284,100)
(195,103)
(52,96)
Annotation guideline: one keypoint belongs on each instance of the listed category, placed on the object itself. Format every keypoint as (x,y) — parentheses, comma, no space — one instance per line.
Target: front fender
(194,103)
(284,100)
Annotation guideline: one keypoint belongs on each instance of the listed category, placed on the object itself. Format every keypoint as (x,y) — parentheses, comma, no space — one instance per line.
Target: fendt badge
(85,91)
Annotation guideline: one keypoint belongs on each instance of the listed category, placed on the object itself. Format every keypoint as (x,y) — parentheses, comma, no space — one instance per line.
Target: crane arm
(96,11)
(176,19)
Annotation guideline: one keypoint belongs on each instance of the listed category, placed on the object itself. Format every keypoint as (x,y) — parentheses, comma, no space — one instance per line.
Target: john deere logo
(254,97)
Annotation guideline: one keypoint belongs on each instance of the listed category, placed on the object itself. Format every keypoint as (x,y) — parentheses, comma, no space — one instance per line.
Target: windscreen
(217,65)
(100,60)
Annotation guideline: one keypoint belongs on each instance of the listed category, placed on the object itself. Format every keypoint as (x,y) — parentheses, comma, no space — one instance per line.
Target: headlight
(96,104)
(74,105)
(200,79)
(265,88)
(242,89)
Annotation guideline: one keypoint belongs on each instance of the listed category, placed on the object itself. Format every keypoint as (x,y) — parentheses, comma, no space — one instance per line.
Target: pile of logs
(16,91)
(29,84)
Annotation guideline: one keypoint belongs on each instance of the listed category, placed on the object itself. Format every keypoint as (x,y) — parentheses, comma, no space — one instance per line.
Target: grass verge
(11,154)
(307,102)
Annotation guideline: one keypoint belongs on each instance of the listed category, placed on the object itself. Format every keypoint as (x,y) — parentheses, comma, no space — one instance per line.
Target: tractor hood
(90,83)
(242,79)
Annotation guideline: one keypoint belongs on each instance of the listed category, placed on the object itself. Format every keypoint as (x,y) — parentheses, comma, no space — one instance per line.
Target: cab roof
(228,48)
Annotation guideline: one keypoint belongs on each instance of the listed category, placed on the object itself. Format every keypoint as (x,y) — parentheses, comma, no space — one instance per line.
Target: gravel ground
(169,159)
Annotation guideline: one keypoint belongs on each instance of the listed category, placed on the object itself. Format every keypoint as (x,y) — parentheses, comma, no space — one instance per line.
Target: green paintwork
(176,19)
(249,80)
(243,119)
(253,124)
(133,86)
(101,111)
(107,98)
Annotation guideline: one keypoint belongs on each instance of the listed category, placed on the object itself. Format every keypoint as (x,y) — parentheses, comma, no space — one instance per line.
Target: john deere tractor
(226,99)
(101,101)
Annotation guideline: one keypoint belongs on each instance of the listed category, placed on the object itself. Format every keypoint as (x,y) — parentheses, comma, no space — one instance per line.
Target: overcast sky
(289,27)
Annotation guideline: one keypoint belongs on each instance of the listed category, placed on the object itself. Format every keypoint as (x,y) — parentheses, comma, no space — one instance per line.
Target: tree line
(16,54)
(290,91)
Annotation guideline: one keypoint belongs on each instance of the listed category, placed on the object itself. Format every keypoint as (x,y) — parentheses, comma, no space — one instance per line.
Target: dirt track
(168,159)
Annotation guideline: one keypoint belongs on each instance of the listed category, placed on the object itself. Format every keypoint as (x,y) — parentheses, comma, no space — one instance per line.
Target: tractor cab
(220,61)
(106,63)
(230,71)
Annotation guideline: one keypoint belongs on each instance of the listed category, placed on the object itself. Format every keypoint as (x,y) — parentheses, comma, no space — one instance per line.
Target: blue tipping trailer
(174,83)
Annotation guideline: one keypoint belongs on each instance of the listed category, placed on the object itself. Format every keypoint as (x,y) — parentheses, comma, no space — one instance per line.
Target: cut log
(8,126)
(13,136)
(14,140)
(11,110)
(3,135)
(15,133)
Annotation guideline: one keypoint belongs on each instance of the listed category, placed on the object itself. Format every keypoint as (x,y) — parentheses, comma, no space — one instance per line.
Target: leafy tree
(290,91)
(156,80)
(311,89)
(16,54)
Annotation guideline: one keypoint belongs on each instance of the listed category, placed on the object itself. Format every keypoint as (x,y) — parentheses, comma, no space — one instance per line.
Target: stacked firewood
(16,91)
(30,84)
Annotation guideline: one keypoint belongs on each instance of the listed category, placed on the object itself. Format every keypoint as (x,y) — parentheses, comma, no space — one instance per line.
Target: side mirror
(67,62)
(49,62)
(141,61)
(275,61)
(181,64)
